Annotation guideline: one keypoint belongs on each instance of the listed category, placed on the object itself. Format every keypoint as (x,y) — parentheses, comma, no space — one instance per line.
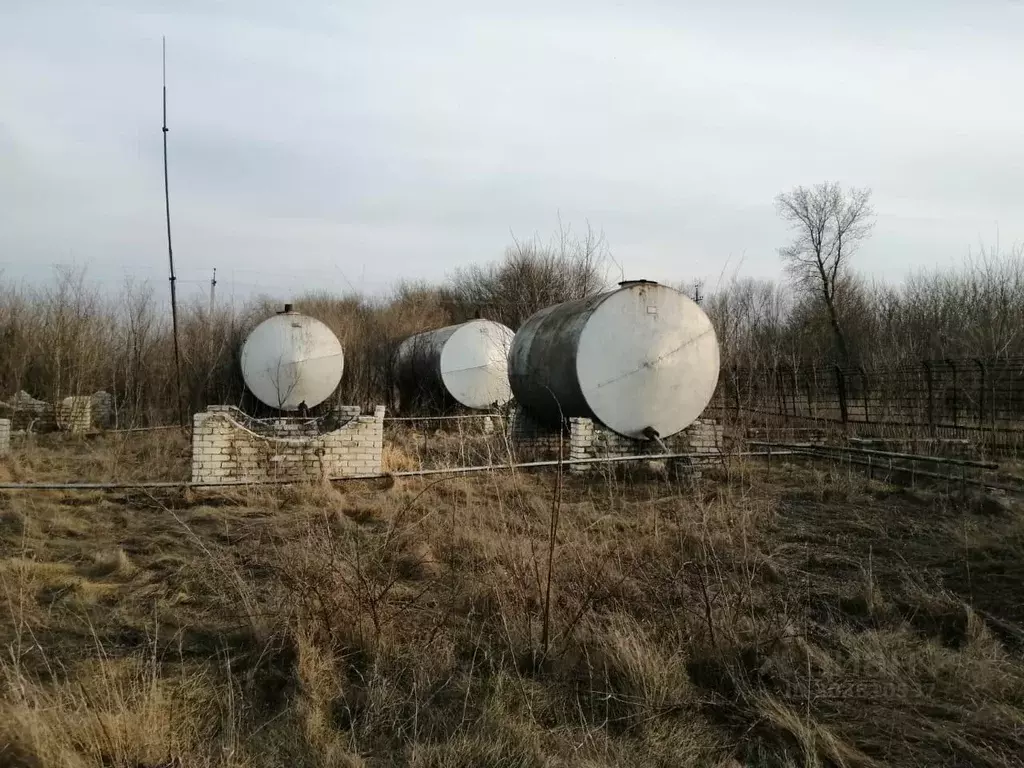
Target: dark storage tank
(465,364)
(637,358)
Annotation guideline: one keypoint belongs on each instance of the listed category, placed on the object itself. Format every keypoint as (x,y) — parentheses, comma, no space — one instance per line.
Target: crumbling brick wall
(583,438)
(74,414)
(531,441)
(102,404)
(225,449)
(590,440)
(28,413)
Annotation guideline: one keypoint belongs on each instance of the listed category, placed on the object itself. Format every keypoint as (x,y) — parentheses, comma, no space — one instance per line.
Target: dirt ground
(805,616)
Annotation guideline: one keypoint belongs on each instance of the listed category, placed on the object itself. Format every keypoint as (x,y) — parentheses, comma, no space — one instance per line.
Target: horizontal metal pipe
(94,486)
(182,484)
(444,418)
(784,429)
(137,429)
(99,432)
(168,484)
(885,454)
(956,440)
(598,460)
(913,470)
(386,419)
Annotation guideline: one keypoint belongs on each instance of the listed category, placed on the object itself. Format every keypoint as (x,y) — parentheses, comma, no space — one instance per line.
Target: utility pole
(210,340)
(170,253)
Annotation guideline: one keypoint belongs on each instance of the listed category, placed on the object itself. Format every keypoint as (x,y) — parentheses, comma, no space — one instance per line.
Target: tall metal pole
(170,253)
(211,344)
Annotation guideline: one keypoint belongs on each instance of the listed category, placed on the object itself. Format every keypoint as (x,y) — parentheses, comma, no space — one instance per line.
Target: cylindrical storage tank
(291,359)
(465,364)
(640,357)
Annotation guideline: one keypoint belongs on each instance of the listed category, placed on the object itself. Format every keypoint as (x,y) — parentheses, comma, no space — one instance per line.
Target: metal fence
(962,396)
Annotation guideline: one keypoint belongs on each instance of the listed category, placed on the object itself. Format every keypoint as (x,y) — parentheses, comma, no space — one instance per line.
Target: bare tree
(533,275)
(830,224)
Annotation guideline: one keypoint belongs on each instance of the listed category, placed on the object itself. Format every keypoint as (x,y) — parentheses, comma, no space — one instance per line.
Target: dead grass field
(113,457)
(809,617)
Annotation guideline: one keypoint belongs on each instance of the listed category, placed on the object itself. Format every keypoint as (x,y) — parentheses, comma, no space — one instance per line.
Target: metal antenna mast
(170,252)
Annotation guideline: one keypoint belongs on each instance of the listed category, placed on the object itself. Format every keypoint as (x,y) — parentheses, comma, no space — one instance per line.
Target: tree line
(69,338)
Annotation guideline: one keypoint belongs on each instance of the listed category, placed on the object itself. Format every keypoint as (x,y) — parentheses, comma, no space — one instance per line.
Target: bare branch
(828,224)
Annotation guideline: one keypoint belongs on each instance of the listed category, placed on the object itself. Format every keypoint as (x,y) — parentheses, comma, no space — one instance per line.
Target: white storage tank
(638,358)
(464,364)
(291,359)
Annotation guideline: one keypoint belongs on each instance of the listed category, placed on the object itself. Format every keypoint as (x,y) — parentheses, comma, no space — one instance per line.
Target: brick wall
(102,404)
(27,413)
(589,439)
(584,438)
(5,437)
(227,447)
(531,441)
(74,414)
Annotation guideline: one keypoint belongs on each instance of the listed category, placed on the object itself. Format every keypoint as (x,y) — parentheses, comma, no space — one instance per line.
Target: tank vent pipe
(652,434)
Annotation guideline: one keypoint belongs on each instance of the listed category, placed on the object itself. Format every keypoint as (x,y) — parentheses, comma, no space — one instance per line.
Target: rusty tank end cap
(626,283)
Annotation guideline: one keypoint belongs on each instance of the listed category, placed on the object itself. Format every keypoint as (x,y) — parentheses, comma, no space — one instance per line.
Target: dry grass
(806,618)
(107,457)
(428,445)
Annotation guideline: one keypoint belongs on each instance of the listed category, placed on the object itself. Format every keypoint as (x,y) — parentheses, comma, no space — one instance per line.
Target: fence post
(780,389)
(789,376)
(810,402)
(796,391)
(931,397)
(981,393)
(1015,394)
(952,366)
(736,389)
(884,406)
(841,391)
(864,384)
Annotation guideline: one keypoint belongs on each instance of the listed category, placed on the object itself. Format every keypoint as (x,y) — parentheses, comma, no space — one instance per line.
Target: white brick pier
(587,439)
(226,448)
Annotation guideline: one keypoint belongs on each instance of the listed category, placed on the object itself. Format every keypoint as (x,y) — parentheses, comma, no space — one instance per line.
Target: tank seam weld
(657,359)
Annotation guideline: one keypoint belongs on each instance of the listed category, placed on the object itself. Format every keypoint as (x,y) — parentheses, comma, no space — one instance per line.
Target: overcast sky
(337,144)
